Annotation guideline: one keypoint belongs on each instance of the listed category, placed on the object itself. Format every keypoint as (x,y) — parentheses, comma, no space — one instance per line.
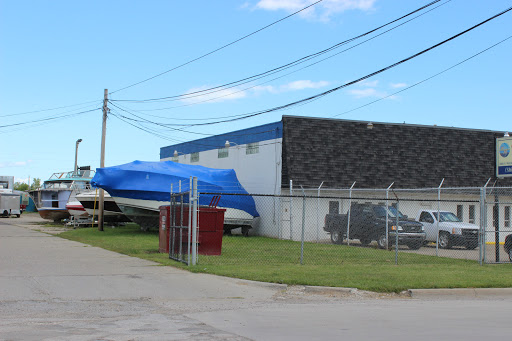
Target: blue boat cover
(152,181)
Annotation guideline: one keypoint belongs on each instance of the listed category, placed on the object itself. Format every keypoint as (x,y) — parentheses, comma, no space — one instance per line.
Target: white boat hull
(146,213)
(111,212)
(76,209)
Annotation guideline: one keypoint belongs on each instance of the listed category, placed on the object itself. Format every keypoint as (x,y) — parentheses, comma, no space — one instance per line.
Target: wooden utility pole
(102,158)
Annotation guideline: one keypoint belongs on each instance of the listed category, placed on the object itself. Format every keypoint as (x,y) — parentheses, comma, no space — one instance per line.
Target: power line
(156,133)
(312,98)
(171,118)
(325,93)
(50,109)
(47,119)
(307,66)
(143,120)
(218,49)
(424,80)
(286,66)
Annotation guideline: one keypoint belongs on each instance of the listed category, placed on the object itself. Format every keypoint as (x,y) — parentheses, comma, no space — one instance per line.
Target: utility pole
(102,158)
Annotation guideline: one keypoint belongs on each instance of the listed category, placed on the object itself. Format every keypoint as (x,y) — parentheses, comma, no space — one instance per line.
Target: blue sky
(65,53)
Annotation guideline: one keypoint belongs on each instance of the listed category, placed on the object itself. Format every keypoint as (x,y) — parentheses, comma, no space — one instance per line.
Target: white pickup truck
(452,231)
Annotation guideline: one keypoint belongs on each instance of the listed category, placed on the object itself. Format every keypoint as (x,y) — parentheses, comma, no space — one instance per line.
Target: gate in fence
(182,216)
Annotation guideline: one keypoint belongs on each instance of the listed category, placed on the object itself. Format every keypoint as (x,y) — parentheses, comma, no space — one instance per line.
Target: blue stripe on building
(250,135)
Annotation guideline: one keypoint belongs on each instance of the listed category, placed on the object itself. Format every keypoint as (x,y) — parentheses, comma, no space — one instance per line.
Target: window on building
(223,152)
(334,207)
(252,148)
(507,216)
(460,214)
(471,214)
(194,157)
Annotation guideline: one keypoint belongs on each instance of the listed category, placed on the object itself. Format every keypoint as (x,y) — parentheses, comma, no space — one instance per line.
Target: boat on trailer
(51,199)
(89,200)
(139,188)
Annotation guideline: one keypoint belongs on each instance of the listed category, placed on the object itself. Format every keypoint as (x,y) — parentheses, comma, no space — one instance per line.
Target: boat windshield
(57,185)
(448,216)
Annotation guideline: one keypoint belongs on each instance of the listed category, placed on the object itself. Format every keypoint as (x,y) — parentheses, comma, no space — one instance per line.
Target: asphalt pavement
(56,289)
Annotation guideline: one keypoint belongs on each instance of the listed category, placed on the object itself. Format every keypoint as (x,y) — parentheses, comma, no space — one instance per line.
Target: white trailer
(10,204)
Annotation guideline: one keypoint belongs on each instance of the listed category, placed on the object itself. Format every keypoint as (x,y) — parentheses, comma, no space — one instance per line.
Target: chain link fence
(333,226)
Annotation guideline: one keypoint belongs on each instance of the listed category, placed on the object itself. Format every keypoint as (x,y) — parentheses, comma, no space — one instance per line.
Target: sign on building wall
(503,157)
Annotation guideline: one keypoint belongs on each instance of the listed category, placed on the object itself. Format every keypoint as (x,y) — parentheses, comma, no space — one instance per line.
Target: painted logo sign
(503,157)
(504,149)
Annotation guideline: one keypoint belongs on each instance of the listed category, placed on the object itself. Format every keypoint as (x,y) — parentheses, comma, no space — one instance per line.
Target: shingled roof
(340,152)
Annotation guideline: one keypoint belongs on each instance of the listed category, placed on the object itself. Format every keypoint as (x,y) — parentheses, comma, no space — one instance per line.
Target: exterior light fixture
(228,144)
(369,125)
(176,153)
(76,154)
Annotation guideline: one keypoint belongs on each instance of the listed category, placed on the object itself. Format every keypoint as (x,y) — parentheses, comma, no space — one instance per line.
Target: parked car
(508,246)
(452,231)
(368,223)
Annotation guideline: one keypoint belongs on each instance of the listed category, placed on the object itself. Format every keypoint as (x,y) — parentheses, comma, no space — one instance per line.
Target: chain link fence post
(387,215)
(348,214)
(438,216)
(303,225)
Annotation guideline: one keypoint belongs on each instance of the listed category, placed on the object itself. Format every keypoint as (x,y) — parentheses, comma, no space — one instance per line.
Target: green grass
(278,261)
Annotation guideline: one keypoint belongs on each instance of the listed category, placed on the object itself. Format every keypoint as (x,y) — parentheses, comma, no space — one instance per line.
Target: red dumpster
(210,225)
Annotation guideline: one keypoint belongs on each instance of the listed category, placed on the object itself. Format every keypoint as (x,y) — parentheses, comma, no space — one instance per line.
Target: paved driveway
(55,289)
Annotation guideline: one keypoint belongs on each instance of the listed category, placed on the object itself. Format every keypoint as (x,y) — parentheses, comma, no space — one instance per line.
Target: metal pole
(348,215)
(172,223)
(194,222)
(480,230)
(317,216)
(484,235)
(94,207)
(189,235)
(387,215)
(181,220)
(102,158)
(76,155)
(303,225)
(496,219)
(291,207)
(438,215)
(396,231)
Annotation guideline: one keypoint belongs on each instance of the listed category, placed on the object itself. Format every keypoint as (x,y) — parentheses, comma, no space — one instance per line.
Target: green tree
(20,186)
(35,184)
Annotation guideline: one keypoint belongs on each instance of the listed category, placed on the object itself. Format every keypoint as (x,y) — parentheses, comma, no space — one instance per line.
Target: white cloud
(235,93)
(398,85)
(265,88)
(212,97)
(292,86)
(245,5)
(304,84)
(370,84)
(323,10)
(288,5)
(369,92)
(15,163)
